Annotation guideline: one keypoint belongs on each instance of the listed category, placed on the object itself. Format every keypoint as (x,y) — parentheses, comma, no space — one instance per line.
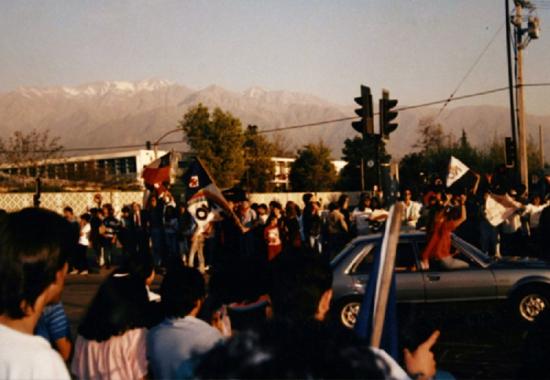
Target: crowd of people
(263,309)
(186,330)
(167,230)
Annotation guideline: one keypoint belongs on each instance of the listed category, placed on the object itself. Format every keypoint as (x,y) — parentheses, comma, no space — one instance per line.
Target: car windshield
(343,253)
(480,256)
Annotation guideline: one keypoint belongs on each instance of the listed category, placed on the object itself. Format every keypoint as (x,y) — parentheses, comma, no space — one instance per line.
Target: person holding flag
(205,204)
(439,237)
(157,173)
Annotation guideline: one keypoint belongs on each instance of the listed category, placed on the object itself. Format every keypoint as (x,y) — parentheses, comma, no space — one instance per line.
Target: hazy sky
(419,50)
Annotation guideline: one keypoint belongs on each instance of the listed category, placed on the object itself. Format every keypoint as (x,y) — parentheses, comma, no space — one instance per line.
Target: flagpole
(390,245)
(233,215)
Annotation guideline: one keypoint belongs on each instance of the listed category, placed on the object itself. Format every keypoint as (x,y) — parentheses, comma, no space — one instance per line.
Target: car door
(472,283)
(409,280)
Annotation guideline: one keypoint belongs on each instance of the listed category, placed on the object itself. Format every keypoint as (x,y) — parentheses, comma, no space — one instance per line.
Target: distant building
(126,165)
(282,170)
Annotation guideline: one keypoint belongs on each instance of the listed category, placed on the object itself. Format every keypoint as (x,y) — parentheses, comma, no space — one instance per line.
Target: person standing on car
(439,237)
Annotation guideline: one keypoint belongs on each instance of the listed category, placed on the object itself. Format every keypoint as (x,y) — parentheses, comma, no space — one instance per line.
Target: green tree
(412,171)
(492,155)
(431,136)
(260,169)
(217,138)
(353,152)
(313,169)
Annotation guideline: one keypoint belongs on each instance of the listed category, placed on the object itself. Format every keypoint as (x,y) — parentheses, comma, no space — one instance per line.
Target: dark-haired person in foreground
(298,343)
(33,266)
(173,345)
(111,338)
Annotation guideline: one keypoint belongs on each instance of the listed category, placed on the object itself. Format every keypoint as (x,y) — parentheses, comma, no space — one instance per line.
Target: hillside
(125,113)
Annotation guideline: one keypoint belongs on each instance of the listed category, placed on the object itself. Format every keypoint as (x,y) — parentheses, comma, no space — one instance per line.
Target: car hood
(518,262)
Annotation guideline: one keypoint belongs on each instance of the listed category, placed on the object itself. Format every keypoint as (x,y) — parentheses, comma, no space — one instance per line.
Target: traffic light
(533,28)
(387,114)
(510,152)
(364,126)
(148,145)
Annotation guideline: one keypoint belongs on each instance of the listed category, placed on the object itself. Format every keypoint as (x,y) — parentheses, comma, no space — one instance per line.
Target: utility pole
(522,133)
(510,78)
(522,38)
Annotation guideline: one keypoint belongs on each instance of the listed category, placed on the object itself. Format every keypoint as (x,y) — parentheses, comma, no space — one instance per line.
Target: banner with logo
(205,201)
(457,169)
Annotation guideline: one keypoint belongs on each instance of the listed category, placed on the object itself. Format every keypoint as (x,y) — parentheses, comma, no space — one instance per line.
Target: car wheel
(348,312)
(529,303)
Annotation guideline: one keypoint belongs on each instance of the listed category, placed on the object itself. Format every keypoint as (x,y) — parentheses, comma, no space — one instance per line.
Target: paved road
(77,295)
(471,346)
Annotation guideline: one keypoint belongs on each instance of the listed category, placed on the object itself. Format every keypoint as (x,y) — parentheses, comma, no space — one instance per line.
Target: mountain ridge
(109,113)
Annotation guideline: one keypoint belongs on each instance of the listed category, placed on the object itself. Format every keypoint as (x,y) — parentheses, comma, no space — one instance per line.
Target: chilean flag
(157,172)
(204,199)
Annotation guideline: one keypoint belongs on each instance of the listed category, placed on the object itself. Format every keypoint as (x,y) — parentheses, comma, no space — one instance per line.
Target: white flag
(498,208)
(456,170)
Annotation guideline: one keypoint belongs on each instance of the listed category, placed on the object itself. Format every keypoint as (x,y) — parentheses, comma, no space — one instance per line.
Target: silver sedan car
(523,282)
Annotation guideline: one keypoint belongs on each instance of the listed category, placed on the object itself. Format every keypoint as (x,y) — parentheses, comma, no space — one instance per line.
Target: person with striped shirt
(53,326)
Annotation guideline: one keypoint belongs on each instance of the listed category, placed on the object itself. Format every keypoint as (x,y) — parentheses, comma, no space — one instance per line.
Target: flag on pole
(205,201)
(456,170)
(377,319)
(498,208)
(157,172)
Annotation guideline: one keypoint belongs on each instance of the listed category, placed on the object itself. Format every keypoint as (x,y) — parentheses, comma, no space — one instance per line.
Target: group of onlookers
(524,229)
(280,330)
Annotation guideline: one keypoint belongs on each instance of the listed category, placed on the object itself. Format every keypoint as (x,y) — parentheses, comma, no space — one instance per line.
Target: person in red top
(272,237)
(439,238)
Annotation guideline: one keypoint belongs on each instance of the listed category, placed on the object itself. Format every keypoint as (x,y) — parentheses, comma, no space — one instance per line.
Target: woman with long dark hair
(111,339)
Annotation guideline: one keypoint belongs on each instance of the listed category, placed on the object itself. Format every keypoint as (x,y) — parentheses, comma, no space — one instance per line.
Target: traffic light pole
(377,161)
(363,173)
(365,125)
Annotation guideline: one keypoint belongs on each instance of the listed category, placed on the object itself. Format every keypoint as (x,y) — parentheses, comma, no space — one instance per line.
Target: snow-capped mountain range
(96,89)
(112,113)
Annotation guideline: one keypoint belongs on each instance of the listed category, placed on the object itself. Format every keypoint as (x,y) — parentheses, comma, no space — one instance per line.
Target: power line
(470,70)
(298,126)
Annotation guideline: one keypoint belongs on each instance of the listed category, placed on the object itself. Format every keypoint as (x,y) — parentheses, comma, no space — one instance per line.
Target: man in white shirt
(411,210)
(361,215)
(34,246)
